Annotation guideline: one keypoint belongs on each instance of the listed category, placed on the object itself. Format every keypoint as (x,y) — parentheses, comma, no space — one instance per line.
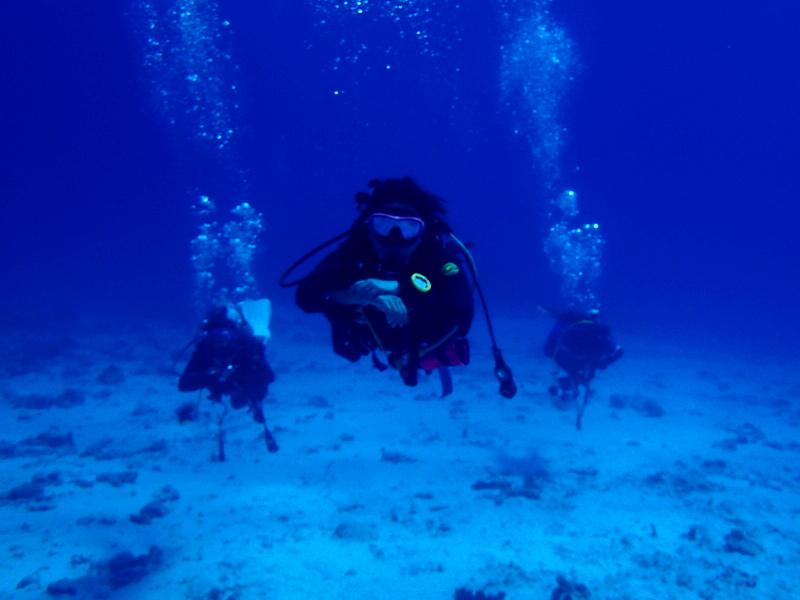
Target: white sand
(265,526)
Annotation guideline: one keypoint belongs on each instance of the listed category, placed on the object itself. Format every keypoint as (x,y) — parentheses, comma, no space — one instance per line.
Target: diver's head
(395,232)
(398,215)
(577,314)
(222,333)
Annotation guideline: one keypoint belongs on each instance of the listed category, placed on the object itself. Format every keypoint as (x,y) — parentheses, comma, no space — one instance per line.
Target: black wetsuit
(229,360)
(580,345)
(443,311)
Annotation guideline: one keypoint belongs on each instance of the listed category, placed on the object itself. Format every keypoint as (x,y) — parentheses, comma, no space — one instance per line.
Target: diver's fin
(272,445)
(582,404)
(446,380)
(258,314)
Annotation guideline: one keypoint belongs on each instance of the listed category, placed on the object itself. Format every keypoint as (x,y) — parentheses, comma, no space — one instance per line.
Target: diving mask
(407,228)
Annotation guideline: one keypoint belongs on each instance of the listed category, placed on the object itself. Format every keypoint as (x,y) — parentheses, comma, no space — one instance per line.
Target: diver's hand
(394,309)
(367,291)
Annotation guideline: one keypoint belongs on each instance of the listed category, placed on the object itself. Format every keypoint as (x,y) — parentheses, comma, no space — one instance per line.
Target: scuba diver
(400,284)
(229,360)
(579,344)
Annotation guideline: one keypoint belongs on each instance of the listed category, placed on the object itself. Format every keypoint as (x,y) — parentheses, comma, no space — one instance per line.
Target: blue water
(680,137)
(675,122)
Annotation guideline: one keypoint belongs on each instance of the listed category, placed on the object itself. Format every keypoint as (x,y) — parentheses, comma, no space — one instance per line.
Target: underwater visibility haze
(621,170)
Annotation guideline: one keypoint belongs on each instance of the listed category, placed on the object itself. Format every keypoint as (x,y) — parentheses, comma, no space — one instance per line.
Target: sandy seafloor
(382,491)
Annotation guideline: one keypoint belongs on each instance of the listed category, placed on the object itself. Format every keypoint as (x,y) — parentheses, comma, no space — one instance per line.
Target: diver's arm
(336,281)
(364,292)
(329,277)
(196,374)
(378,293)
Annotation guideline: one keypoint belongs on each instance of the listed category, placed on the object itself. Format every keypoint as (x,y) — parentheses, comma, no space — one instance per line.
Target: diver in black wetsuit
(580,345)
(229,360)
(397,284)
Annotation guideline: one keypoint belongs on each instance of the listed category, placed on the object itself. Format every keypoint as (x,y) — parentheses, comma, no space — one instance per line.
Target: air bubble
(189,66)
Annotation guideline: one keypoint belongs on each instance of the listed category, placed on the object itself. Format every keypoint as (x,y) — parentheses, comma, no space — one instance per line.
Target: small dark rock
(48,440)
(143,409)
(729,583)
(738,542)
(742,579)
(395,457)
(34,490)
(498,484)
(105,521)
(167,494)
(699,535)
(467,594)
(7,450)
(118,479)
(67,399)
(156,447)
(318,402)
(751,433)
(744,434)
(39,506)
(531,466)
(684,579)
(53,478)
(98,450)
(231,593)
(656,478)
(586,472)
(528,493)
(729,444)
(104,450)
(105,577)
(618,401)
(64,587)
(715,467)
(656,561)
(569,590)
(187,412)
(111,375)
(359,532)
(682,483)
(648,408)
(150,511)
(125,568)
(28,581)
(505,489)
(158,507)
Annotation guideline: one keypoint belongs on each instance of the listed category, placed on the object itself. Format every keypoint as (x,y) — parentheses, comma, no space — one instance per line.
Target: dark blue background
(683,123)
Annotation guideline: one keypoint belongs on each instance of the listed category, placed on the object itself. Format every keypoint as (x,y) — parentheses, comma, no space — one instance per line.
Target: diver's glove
(366,291)
(394,309)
